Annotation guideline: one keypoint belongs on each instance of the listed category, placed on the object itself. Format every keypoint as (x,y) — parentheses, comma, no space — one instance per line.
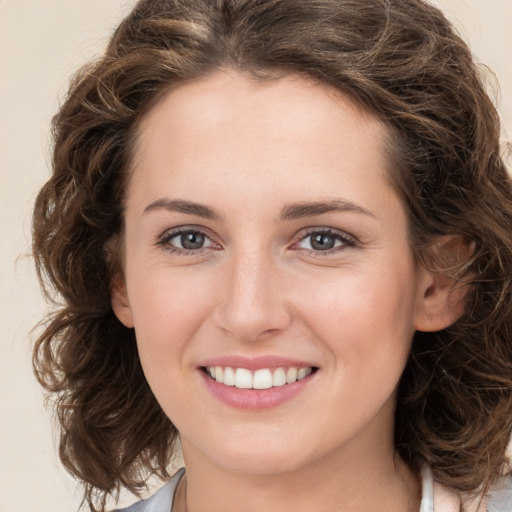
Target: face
(264,245)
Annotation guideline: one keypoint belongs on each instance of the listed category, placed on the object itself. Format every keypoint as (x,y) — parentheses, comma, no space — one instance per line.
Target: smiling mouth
(263,378)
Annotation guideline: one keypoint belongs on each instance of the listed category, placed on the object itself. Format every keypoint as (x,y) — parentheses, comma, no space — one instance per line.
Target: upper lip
(254,363)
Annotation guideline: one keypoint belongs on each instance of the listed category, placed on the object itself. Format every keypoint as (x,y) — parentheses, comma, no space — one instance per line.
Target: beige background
(41,43)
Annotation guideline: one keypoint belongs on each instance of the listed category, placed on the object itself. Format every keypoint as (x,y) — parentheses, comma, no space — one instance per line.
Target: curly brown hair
(400,60)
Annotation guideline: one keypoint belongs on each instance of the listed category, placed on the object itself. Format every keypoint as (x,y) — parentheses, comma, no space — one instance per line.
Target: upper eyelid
(170,233)
(331,231)
(163,241)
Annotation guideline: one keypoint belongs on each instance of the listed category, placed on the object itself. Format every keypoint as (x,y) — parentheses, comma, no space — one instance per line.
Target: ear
(118,293)
(441,301)
(120,302)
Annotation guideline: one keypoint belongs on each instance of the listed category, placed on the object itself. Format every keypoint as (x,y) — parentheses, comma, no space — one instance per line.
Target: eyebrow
(181,206)
(310,209)
(289,212)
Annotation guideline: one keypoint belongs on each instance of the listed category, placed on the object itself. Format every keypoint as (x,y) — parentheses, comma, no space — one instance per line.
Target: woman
(282,231)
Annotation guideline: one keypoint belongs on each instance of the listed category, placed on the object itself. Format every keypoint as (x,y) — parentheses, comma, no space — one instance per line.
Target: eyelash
(164,241)
(346,240)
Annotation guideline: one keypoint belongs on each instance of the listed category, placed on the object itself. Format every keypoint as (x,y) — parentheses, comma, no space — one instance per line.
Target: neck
(340,481)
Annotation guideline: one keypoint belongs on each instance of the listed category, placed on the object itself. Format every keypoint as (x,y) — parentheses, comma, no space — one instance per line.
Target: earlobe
(441,296)
(120,302)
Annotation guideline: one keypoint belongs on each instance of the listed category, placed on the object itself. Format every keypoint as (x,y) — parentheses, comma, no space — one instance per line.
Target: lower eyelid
(344,240)
(207,240)
(165,239)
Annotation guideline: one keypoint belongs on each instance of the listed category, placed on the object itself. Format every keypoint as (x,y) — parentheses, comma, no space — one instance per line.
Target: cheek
(168,309)
(366,319)
(167,315)
(165,299)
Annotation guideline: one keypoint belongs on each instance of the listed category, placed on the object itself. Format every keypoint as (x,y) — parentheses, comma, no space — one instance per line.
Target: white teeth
(291,375)
(279,377)
(243,378)
(229,376)
(264,378)
(303,372)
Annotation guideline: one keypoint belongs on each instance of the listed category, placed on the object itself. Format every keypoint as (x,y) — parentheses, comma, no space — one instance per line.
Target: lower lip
(255,399)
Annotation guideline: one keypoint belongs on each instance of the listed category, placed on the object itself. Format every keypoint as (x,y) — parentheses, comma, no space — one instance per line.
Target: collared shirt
(434,497)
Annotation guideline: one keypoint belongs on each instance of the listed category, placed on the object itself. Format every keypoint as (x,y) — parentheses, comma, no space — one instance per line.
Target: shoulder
(161,501)
(438,498)
(500,497)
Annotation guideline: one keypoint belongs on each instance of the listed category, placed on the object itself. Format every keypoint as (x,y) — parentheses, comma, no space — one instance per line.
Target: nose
(252,305)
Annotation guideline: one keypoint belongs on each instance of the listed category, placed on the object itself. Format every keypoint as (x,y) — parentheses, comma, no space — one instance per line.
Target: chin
(260,464)
(258,455)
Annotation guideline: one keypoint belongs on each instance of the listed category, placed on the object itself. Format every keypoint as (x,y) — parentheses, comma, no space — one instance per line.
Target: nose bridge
(252,304)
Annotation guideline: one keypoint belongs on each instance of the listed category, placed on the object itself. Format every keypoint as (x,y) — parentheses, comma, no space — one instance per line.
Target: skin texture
(256,287)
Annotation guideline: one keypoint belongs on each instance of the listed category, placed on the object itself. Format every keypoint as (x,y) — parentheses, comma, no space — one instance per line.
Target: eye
(324,240)
(185,240)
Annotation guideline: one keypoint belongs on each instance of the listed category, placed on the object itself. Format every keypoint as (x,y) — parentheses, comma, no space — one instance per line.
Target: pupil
(322,242)
(192,240)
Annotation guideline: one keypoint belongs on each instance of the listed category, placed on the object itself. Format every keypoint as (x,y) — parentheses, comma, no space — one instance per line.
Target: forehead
(229,101)
(259,135)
